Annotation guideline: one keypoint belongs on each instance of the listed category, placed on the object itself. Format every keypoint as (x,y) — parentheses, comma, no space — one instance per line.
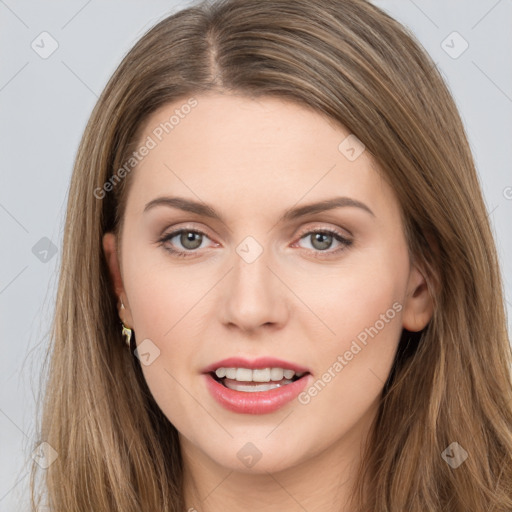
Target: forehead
(233,149)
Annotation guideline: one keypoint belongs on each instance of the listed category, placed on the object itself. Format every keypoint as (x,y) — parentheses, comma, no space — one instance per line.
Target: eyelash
(187,254)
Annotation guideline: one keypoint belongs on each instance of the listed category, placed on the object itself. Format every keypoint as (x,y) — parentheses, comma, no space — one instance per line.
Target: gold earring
(126,332)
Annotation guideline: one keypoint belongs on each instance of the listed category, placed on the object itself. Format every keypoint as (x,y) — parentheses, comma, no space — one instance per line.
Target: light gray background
(45,104)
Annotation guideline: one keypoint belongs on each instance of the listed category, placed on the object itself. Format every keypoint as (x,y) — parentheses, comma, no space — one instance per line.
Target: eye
(190,240)
(322,239)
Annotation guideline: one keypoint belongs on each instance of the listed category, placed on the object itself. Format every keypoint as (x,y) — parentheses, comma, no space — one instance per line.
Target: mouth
(249,380)
(255,386)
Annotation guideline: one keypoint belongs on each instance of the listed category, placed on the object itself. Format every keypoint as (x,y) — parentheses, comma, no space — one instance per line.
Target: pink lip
(259,363)
(258,402)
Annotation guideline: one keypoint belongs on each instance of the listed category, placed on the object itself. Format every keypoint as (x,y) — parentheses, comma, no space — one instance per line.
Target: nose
(254,296)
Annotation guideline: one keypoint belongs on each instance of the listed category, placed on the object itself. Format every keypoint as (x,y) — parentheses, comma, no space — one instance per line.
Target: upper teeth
(259,375)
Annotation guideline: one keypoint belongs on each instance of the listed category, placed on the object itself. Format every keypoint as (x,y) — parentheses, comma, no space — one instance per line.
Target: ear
(112,257)
(419,304)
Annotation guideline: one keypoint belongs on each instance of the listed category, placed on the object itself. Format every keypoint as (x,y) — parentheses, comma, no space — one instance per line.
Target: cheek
(165,303)
(365,292)
(169,307)
(367,324)
(362,309)
(352,366)
(163,295)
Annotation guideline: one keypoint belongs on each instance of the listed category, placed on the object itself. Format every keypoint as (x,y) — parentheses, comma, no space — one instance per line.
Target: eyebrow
(206,210)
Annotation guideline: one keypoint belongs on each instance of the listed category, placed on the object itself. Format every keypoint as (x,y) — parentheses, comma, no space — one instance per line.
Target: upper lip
(254,364)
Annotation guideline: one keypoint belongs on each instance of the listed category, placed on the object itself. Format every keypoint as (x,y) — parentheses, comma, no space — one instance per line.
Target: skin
(251,160)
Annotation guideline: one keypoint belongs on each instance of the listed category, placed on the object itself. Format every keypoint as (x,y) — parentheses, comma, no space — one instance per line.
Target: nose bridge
(254,296)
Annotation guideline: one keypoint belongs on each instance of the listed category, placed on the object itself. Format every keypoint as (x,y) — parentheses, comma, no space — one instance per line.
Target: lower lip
(257,402)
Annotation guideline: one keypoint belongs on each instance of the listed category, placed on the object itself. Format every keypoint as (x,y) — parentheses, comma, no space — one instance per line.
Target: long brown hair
(450,383)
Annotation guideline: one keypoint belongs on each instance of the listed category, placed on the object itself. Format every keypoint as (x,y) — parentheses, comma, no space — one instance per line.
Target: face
(264,282)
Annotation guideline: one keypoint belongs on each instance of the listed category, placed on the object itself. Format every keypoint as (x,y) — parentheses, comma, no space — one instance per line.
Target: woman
(279,288)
